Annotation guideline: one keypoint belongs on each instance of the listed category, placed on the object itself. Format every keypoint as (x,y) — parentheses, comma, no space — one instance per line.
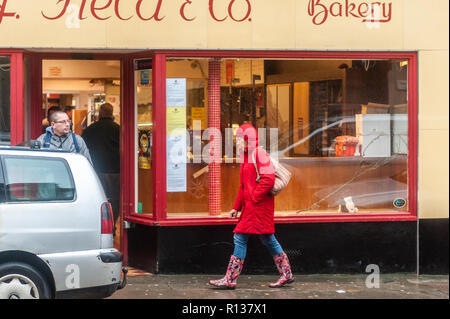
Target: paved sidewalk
(329,286)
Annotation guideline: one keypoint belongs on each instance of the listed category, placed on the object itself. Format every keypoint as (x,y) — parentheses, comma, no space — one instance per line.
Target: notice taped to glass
(176,92)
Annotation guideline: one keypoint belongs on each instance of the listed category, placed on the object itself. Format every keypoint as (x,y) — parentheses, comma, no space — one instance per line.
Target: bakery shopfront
(340,93)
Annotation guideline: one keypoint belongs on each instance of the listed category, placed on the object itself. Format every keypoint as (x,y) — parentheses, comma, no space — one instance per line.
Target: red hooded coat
(253,199)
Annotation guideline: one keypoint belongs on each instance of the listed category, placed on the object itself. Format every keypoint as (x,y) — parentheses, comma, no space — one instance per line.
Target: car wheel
(22,281)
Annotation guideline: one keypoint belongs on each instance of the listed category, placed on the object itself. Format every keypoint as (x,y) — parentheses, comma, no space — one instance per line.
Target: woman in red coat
(257,211)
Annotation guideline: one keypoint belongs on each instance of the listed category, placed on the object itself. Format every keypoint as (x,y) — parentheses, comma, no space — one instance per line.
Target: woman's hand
(233,213)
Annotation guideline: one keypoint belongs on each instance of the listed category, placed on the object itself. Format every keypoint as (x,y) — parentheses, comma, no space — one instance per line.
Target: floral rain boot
(233,271)
(284,268)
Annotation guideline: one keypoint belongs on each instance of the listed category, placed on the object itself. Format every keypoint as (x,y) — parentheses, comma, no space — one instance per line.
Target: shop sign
(145,64)
(143,10)
(234,10)
(205,24)
(4,13)
(370,12)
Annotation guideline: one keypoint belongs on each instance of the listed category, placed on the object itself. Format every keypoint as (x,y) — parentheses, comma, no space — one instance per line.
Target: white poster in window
(176,163)
(176,135)
(176,92)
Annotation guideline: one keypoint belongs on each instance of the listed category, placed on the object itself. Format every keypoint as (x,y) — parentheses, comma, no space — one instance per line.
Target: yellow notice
(176,121)
(199,114)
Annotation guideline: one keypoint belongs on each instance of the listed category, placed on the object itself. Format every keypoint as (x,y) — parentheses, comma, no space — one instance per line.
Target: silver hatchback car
(56,228)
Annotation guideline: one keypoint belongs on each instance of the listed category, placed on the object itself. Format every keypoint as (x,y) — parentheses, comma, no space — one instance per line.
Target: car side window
(34,179)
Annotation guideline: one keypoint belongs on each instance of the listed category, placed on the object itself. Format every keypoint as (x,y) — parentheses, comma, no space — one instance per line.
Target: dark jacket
(103,141)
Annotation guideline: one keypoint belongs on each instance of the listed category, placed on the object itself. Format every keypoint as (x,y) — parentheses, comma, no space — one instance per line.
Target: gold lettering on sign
(55,71)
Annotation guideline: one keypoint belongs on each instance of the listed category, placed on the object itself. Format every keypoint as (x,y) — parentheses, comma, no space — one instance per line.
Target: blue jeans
(268,240)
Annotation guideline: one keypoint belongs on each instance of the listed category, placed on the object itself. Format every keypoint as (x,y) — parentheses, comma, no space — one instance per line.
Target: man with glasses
(46,121)
(59,136)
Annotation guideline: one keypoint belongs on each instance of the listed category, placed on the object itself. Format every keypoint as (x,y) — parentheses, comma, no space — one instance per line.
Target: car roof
(27,150)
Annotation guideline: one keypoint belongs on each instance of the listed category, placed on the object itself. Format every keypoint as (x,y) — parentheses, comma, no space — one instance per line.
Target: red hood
(250,134)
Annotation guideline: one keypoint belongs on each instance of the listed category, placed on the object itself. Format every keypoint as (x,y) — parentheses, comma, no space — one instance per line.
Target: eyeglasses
(63,122)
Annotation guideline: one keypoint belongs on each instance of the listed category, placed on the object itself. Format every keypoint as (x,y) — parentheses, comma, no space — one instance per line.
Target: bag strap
(258,178)
(75,142)
(47,139)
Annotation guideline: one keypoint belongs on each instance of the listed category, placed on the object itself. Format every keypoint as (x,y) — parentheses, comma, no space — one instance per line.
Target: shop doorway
(80,88)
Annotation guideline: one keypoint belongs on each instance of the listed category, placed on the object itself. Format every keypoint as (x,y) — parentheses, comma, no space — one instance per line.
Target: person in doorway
(103,139)
(257,212)
(68,109)
(59,136)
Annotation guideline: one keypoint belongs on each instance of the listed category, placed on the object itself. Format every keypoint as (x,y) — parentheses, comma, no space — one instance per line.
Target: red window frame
(159,217)
(16,94)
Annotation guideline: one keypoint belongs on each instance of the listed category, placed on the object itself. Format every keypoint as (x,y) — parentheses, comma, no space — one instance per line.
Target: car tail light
(107,218)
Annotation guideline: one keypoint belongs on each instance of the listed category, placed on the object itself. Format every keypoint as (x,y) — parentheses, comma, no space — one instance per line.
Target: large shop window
(5,101)
(339,126)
